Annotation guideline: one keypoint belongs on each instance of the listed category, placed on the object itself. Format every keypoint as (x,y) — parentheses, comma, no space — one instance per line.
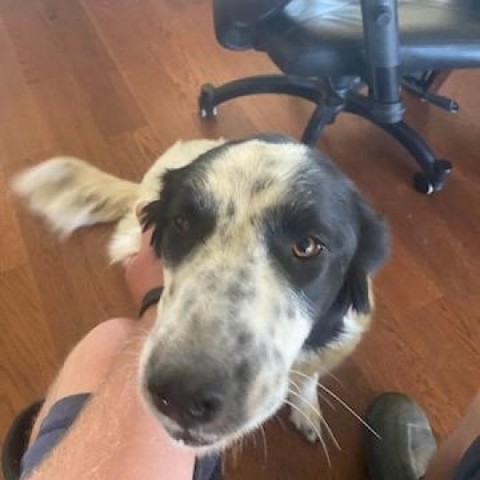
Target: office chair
(330,50)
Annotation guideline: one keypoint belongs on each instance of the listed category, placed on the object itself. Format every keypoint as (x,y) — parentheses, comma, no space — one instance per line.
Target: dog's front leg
(305,409)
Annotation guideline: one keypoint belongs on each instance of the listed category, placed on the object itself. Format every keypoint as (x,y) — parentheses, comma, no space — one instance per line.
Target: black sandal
(16,441)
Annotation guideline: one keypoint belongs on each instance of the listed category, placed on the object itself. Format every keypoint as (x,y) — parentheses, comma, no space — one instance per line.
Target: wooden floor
(115,82)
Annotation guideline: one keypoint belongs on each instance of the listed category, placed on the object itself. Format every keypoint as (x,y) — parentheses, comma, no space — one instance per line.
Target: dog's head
(260,239)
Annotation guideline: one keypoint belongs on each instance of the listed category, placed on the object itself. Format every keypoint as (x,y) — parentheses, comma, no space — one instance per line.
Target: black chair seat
(315,37)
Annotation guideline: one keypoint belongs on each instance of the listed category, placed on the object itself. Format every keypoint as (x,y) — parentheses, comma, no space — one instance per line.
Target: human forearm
(116,436)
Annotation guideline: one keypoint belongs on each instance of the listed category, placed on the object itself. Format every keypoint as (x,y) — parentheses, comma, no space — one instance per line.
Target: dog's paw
(308,422)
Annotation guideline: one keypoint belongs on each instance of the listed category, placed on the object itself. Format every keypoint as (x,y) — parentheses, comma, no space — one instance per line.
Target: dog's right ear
(372,252)
(153,215)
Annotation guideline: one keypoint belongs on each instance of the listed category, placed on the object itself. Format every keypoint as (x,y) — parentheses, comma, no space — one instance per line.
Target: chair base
(330,100)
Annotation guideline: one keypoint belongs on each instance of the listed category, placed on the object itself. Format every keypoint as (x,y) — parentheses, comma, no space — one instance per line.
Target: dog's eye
(308,247)
(181,224)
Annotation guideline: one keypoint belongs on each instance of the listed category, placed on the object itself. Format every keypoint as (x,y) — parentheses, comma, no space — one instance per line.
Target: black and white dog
(267,249)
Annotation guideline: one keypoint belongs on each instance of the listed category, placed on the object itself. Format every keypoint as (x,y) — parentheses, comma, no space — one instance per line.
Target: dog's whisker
(300,373)
(280,421)
(320,416)
(234,450)
(295,384)
(230,452)
(349,409)
(222,462)
(254,440)
(339,400)
(265,450)
(327,401)
(307,402)
(334,377)
(322,397)
(315,429)
(242,445)
(330,432)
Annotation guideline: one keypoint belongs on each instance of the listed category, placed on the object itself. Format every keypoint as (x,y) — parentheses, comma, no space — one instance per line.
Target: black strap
(152,297)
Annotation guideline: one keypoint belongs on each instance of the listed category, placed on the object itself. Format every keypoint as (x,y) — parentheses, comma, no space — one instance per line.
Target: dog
(268,251)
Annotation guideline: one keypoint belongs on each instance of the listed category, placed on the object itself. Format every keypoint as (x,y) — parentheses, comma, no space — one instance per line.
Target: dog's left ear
(153,215)
(372,251)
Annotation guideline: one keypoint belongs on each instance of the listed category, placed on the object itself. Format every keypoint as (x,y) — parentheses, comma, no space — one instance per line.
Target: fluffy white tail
(71,194)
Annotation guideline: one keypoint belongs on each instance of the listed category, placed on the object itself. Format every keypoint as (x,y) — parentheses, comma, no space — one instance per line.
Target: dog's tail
(71,194)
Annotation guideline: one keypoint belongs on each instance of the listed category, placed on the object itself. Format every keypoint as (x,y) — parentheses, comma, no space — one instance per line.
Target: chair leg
(437,79)
(323,115)
(328,105)
(428,94)
(434,172)
(210,97)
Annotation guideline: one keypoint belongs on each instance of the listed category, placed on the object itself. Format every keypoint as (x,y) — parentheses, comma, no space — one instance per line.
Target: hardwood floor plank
(26,343)
(24,133)
(12,250)
(110,101)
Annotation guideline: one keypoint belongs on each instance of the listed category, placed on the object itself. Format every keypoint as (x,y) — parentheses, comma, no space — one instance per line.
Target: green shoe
(407,443)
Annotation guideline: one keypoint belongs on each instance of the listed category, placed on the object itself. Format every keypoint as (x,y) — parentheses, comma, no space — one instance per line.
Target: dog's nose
(187,400)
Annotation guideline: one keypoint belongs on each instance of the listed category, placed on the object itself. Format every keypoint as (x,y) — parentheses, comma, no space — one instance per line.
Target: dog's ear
(371,253)
(153,215)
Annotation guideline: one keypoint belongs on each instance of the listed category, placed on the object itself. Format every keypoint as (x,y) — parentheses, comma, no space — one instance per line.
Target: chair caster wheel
(206,102)
(422,183)
(429,183)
